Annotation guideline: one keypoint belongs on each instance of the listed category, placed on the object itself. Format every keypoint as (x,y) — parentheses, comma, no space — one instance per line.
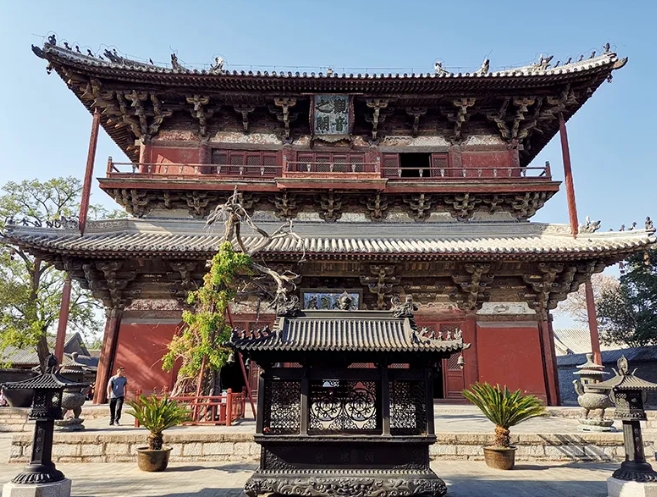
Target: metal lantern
(629,394)
(46,408)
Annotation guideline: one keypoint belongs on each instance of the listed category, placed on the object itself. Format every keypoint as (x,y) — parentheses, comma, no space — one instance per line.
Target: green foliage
(31,288)
(205,330)
(628,313)
(156,415)
(503,408)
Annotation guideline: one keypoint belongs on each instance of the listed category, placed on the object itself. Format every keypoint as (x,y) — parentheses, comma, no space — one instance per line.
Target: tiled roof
(50,381)
(355,331)
(576,341)
(220,78)
(151,237)
(29,357)
(609,357)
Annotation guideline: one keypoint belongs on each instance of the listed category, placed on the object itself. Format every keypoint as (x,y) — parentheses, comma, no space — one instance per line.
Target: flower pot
(153,460)
(500,458)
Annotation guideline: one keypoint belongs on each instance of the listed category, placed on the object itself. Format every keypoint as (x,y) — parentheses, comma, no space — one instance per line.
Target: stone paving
(205,479)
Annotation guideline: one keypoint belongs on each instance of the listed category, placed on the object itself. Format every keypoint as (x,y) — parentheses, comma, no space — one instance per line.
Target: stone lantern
(635,477)
(41,477)
(592,399)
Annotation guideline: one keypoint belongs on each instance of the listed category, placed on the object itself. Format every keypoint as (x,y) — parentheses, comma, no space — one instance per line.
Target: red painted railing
(295,168)
(214,410)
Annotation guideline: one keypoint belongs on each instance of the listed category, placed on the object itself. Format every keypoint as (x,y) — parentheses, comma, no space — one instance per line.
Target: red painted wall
(141,346)
(510,354)
(489,160)
(172,155)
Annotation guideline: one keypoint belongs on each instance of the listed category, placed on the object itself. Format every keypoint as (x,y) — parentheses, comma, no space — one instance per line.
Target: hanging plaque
(331,115)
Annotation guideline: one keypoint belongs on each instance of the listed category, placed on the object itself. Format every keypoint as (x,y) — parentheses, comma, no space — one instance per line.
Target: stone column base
(623,488)
(58,489)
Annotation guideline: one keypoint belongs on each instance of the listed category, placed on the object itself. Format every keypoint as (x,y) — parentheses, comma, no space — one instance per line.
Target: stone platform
(461,433)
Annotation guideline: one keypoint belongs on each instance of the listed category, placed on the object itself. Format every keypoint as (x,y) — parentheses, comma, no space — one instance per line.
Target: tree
(199,346)
(31,287)
(628,313)
(575,305)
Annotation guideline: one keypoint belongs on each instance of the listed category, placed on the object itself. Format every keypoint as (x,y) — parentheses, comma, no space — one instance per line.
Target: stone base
(623,488)
(70,424)
(341,483)
(58,489)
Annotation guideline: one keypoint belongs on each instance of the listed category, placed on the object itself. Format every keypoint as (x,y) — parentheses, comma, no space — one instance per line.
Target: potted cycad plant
(505,409)
(156,415)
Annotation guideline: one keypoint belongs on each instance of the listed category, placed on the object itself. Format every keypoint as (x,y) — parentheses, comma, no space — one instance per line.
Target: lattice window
(328,162)
(243,163)
(339,406)
(408,409)
(439,165)
(391,166)
(452,363)
(282,413)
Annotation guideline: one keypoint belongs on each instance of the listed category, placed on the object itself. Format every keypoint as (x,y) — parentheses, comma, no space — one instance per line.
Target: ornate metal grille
(408,409)
(342,405)
(282,413)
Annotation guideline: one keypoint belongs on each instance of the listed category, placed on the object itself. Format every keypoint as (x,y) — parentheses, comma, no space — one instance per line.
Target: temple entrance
(415,165)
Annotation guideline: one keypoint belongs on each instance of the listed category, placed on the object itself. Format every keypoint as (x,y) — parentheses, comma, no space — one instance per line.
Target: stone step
(189,446)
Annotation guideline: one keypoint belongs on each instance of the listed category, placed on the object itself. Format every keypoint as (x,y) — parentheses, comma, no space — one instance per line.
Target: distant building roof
(610,357)
(576,341)
(28,357)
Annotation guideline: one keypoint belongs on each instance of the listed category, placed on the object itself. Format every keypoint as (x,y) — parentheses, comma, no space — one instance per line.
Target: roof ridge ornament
(403,310)
(589,226)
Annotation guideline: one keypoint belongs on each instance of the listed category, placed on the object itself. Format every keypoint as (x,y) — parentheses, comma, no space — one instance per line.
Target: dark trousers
(116,404)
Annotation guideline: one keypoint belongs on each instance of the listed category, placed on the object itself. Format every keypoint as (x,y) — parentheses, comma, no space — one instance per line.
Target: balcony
(325,170)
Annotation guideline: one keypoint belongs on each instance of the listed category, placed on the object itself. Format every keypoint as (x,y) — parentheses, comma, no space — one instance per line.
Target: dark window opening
(438,392)
(415,165)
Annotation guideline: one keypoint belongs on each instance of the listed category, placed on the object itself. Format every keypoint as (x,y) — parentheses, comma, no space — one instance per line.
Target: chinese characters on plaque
(331,114)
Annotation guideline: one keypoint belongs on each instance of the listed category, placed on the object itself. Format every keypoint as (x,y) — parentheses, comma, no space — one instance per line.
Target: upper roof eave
(136,72)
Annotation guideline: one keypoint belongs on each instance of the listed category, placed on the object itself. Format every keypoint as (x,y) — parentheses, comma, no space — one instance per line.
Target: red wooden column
(89,172)
(63,319)
(107,353)
(144,155)
(574,227)
(568,176)
(549,359)
(471,367)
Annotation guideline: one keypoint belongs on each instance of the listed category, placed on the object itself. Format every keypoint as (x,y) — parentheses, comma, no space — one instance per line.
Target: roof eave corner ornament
(620,63)
(650,226)
(218,67)
(39,52)
(403,310)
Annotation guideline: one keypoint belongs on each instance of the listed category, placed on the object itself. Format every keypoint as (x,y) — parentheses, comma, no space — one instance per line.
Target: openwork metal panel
(343,406)
(282,412)
(408,409)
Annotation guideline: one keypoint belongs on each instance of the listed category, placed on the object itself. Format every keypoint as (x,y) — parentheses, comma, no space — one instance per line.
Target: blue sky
(44,130)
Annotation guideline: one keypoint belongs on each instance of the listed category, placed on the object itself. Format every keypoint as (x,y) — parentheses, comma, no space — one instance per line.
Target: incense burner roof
(468,241)
(353,331)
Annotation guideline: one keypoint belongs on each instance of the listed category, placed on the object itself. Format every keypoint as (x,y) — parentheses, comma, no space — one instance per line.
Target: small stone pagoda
(345,401)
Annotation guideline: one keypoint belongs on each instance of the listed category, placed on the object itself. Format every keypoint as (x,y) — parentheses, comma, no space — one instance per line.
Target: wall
(141,345)
(509,353)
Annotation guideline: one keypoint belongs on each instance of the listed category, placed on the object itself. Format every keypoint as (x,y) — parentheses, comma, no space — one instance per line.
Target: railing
(214,410)
(295,168)
(185,169)
(460,173)
(331,167)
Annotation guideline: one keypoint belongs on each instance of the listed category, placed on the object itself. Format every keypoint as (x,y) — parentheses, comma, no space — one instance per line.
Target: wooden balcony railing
(461,173)
(213,410)
(326,169)
(331,167)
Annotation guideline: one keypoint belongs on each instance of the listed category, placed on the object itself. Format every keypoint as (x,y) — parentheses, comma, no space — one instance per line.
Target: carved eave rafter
(416,113)
(378,115)
(380,282)
(460,116)
(142,112)
(283,114)
(244,110)
(472,286)
(202,111)
(552,282)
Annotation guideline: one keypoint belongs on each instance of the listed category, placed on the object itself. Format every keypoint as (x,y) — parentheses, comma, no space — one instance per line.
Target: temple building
(398,185)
